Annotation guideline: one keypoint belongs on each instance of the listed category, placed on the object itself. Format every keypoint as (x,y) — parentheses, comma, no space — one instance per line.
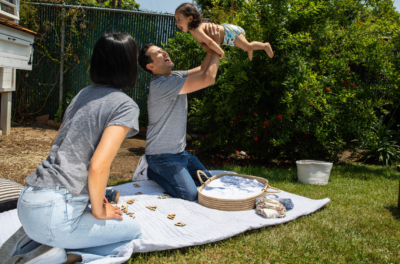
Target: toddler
(188,18)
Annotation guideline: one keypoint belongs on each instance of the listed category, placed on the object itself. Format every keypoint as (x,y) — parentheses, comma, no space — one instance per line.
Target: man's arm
(199,81)
(202,67)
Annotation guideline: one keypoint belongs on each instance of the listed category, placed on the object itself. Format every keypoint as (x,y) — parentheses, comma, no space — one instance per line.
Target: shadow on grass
(347,170)
(137,151)
(118,182)
(364,172)
(395,211)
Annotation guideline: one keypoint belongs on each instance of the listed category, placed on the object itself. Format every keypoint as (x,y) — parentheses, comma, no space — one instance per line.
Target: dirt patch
(128,156)
(25,148)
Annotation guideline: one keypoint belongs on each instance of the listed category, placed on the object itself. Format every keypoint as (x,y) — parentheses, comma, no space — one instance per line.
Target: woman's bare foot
(71,258)
(250,53)
(268,50)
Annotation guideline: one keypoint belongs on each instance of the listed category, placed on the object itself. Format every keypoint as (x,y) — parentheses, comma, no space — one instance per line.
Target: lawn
(361,224)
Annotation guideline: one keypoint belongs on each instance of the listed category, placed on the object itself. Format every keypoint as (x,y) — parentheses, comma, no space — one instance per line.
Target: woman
(53,205)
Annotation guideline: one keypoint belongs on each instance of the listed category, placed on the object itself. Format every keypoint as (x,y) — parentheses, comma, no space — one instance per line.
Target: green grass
(361,224)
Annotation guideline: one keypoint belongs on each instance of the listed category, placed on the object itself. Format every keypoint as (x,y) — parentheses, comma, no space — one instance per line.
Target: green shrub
(334,69)
(379,142)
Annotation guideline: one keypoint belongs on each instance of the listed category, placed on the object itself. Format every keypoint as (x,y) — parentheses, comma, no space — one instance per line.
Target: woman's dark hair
(144,58)
(114,61)
(187,9)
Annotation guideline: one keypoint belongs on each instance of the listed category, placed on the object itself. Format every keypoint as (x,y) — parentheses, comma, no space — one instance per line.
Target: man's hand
(211,29)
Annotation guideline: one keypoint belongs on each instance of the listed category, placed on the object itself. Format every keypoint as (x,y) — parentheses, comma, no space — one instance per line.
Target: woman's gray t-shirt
(90,112)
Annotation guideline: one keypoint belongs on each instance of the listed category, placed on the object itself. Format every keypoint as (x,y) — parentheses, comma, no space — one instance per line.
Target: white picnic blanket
(203,225)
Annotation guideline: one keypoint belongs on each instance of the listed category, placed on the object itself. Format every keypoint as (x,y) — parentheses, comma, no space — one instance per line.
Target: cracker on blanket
(153,208)
(171,216)
(131,201)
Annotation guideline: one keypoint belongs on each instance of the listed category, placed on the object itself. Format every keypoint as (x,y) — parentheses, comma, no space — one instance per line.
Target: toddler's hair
(187,9)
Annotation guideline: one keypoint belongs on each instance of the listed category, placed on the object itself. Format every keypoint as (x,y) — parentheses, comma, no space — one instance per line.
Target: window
(9,9)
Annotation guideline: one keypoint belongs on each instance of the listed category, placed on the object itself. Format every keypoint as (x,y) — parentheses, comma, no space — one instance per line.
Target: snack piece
(171,216)
(136,185)
(139,193)
(180,224)
(131,201)
(153,208)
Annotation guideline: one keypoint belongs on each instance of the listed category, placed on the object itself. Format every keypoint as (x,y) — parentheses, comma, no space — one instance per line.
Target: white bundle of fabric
(233,187)
(269,208)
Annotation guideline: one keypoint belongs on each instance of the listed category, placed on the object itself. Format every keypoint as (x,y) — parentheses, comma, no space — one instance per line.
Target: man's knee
(191,196)
(187,194)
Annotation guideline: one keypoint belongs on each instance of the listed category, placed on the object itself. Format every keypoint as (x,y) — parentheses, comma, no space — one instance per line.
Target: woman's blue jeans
(176,173)
(52,216)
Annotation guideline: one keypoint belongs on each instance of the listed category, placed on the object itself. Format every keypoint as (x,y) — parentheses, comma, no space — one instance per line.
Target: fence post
(60,90)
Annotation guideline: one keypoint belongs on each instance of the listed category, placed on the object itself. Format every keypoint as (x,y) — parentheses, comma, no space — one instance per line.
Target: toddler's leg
(242,43)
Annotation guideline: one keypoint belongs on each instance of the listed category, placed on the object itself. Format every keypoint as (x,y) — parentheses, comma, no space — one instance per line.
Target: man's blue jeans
(176,173)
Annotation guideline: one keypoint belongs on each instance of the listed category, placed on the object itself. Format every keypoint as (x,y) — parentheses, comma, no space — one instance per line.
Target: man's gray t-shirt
(91,111)
(167,110)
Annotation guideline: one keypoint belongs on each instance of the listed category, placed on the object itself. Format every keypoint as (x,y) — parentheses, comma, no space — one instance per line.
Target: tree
(204,4)
(124,4)
(334,72)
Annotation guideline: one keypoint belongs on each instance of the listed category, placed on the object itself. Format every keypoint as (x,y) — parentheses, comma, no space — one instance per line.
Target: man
(169,164)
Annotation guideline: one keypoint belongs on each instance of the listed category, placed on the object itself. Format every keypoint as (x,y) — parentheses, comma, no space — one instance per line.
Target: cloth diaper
(270,208)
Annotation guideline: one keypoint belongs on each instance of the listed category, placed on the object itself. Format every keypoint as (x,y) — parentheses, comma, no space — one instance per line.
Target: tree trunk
(119,4)
(113,3)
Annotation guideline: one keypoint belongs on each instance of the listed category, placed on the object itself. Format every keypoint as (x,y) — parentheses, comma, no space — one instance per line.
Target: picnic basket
(231,204)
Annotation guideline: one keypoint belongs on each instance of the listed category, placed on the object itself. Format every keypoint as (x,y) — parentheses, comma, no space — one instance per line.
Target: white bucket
(313,171)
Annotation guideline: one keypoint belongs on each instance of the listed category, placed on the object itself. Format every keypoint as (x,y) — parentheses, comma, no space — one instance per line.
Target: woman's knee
(137,231)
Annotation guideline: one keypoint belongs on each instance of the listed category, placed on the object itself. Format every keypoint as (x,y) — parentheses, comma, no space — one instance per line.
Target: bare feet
(268,50)
(73,259)
(250,53)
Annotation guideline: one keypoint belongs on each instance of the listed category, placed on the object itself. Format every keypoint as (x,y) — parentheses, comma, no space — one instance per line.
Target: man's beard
(171,66)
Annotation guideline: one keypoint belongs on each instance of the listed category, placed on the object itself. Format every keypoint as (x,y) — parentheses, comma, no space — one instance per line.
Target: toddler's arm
(202,37)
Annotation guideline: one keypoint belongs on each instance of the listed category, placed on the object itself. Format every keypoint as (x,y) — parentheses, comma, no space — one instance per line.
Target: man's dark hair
(114,61)
(187,9)
(144,58)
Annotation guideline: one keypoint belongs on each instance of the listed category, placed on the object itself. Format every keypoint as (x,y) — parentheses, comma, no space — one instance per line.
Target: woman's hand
(109,211)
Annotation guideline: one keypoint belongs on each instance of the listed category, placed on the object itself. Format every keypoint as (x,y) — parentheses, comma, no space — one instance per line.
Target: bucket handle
(205,175)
